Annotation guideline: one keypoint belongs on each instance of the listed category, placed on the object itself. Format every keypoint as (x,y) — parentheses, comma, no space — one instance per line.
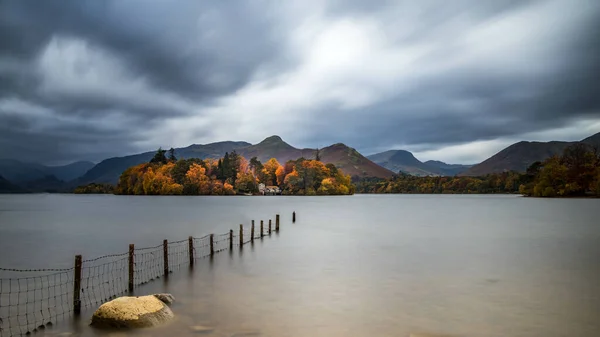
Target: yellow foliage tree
(198,180)
(270,171)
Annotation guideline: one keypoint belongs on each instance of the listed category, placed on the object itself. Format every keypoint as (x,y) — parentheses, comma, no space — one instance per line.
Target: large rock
(132,312)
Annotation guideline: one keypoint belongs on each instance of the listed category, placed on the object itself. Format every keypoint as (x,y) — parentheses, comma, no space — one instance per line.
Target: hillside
(447,169)
(275,147)
(593,140)
(70,171)
(352,162)
(19,172)
(517,157)
(8,187)
(342,156)
(109,170)
(49,184)
(403,161)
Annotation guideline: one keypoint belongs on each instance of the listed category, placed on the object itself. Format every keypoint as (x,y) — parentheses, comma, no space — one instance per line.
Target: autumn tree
(197,182)
(270,171)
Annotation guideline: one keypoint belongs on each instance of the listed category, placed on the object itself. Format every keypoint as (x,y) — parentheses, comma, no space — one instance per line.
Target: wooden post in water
(241,235)
(276,222)
(294,217)
(191,250)
(269,226)
(77,285)
(230,239)
(262,230)
(252,232)
(166,257)
(131,264)
(212,244)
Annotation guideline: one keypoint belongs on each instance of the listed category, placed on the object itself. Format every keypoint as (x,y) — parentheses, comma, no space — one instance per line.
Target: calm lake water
(365,265)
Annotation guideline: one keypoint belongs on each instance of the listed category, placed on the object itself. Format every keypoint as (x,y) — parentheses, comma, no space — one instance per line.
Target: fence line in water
(38,298)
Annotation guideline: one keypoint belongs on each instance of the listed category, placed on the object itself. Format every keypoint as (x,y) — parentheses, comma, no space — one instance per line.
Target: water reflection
(387,266)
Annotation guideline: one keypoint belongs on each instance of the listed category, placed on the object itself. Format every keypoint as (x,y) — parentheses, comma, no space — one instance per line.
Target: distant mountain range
(18,172)
(8,187)
(109,170)
(404,161)
(17,176)
(519,156)
(348,159)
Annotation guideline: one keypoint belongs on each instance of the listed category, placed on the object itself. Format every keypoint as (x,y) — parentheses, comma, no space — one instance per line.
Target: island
(232,175)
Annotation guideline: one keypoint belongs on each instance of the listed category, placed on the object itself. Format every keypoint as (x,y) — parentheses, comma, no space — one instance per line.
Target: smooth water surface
(365,265)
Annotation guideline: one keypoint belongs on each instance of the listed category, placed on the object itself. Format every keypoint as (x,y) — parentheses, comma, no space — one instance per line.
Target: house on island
(268,190)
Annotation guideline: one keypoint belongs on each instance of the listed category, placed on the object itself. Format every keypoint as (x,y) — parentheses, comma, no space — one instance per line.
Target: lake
(363,265)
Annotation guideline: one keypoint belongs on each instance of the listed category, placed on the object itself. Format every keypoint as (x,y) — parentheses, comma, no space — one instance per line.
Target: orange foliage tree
(206,177)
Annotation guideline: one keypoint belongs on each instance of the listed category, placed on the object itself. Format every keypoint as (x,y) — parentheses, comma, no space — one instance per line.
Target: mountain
(519,156)
(275,147)
(70,171)
(212,150)
(20,172)
(403,161)
(447,169)
(109,170)
(593,140)
(49,184)
(8,187)
(352,162)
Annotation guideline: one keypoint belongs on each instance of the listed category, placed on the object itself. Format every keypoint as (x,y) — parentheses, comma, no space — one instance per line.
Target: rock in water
(132,312)
(167,299)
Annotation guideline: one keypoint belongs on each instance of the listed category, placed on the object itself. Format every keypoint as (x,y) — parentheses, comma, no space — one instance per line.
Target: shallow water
(365,265)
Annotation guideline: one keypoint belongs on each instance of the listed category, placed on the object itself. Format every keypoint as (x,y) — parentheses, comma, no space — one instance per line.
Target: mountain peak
(272,139)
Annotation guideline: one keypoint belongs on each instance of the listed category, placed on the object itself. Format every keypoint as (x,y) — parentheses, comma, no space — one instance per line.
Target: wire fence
(34,299)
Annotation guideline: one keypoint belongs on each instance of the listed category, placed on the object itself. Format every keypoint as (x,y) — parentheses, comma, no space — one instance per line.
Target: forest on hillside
(574,173)
(230,175)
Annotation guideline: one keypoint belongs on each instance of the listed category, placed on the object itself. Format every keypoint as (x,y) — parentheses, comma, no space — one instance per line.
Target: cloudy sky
(449,80)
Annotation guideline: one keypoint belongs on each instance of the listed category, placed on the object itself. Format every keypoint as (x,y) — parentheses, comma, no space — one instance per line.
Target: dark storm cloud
(84,79)
(189,50)
(505,105)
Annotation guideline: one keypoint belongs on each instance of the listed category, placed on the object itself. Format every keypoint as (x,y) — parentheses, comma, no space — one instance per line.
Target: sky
(455,81)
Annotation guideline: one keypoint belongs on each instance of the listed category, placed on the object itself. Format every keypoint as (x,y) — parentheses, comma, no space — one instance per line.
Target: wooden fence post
(252,232)
(212,244)
(191,250)
(241,235)
(269,226)
(131,265)
(262,231)
(166,257)
(231,239)
(294,217)
(77,285)
(277,222)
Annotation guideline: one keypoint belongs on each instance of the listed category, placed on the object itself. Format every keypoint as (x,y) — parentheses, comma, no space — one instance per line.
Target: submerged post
(252,232)
(230,239)
(131,264)
(269,226)
(294,217)
(241,235)
(77,286)
(191,250)
(166,257)
(262,230)
(212,244)
(277,222)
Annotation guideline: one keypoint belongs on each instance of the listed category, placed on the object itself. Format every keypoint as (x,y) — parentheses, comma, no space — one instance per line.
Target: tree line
(574,173)
(232,174)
